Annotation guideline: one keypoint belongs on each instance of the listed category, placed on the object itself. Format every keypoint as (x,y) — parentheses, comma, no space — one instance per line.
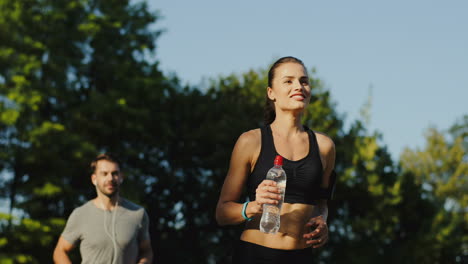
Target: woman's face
(291,90)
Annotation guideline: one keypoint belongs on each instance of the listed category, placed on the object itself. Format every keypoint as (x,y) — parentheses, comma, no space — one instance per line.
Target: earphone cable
(112,237)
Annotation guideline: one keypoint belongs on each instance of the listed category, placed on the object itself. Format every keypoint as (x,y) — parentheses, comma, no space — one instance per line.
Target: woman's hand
(266,193)
(319,235)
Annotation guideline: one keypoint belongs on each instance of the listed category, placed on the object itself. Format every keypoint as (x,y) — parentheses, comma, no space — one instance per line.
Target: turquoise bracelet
(243,212)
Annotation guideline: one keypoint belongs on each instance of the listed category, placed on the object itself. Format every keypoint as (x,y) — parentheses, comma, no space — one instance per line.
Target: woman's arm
(327,152)
(228,210)
(319,234)
(244,157)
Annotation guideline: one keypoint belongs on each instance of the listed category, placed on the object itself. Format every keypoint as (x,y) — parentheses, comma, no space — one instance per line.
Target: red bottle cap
(278,161)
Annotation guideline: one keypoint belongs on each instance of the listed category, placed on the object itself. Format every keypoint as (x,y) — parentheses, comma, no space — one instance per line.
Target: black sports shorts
(249,253)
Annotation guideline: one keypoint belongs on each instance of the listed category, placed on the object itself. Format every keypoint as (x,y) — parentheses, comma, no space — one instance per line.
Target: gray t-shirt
(89,224)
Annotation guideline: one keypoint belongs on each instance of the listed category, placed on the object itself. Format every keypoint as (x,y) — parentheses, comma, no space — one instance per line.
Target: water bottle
(270,221)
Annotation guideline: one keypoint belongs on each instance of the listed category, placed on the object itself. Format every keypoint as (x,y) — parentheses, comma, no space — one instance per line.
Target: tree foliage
(439,213)
(77,78)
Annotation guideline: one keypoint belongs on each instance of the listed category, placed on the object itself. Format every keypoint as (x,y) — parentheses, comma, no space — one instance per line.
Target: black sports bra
(304,176)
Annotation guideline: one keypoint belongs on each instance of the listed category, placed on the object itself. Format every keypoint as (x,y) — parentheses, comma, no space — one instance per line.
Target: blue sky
(414,54)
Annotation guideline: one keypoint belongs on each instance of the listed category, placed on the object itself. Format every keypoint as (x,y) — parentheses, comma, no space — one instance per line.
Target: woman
(309,159)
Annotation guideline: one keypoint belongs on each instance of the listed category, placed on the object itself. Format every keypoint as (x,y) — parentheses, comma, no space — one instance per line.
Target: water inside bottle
(270,222)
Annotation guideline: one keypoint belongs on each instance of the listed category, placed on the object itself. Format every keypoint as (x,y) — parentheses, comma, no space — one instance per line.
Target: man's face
(107,178)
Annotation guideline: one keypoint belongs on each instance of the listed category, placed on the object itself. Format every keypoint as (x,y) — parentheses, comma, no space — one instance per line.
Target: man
(110,228)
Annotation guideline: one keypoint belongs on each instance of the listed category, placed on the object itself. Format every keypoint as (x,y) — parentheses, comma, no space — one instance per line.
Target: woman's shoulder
(251,137)
(247,146)
(325,142)
(249,143)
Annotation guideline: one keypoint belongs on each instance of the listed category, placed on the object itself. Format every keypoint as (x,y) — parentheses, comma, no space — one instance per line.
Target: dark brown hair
(269,113)
(105,156)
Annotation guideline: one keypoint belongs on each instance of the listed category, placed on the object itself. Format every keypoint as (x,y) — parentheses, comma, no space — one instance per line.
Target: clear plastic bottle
(270,221)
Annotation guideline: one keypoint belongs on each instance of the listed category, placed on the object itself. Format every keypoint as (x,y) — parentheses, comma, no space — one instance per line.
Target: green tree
(32,79)
(363,217)
(440,218)
(74,80)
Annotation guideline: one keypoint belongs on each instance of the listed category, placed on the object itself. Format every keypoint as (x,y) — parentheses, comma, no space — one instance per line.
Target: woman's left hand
(319,232)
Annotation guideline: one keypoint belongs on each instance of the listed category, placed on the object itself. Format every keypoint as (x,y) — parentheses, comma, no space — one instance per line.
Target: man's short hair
(105,156)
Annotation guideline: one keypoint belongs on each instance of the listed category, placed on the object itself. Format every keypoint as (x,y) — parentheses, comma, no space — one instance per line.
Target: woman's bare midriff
(293,226)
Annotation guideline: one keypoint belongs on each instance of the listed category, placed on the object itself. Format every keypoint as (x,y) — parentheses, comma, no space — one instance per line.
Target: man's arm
(146,252)
(61,251)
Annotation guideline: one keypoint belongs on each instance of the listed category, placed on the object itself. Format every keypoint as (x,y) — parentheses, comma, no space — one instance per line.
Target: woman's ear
(270,93)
